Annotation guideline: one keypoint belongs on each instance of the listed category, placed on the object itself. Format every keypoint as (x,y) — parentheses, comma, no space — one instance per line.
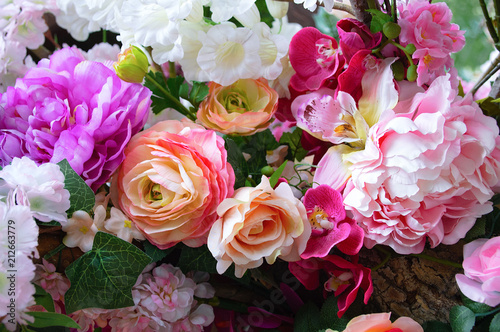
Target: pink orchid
(330,227)
(355,36)
(345,278)
(315,58)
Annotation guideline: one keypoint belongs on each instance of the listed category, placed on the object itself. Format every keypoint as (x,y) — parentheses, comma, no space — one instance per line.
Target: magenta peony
(70,108)
(481,281)
(172,179)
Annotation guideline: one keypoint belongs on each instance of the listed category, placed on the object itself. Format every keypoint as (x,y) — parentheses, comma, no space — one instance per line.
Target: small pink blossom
(381,322)
(314,57)
(330,226)
(51,281)
(481,279)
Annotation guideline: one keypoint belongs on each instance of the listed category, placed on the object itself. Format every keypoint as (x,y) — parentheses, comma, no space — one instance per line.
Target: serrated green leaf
(198,93)
(308,319)
(329,317)
(436,326)
(273,180)
(237,161)
(378,20)
(44,299)
(174,85)
(295,149)
(462,319)
(159,103)
(47,319)
(184,91)
(154,252)
(476,307)
(103,277)
(82,198)
(495,323)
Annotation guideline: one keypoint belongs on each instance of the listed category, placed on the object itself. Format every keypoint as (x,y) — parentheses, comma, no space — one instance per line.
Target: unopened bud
(391,30)
(398,69)
(267,170)
(132,65)
(410,49)
(411,73)
(277,9)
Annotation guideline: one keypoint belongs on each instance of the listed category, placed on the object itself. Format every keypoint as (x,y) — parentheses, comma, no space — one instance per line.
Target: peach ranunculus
(244,107)
(381,323)
(173,177)
(259,222)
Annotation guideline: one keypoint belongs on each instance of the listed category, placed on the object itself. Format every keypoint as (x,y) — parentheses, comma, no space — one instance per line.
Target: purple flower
(74,109)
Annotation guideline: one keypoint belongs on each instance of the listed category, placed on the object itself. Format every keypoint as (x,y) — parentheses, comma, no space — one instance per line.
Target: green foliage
(155,253)
(197,93)
(310,319)
(265,16)
(43,298)
(326,23)
(295,149)
(435,326)
(495,323)
(237,160)
(159,103)
(379,19)
(48,319)
(81,196)
(462,319)
(478,230)
(104,276)
(476,307)
(273,180)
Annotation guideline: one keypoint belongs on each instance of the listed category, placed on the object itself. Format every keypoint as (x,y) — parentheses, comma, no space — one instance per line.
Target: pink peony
(345,278)
(172,179)
(70,108)
(381,322)
(481,281)
(330,226)
(428,173)
(315,58)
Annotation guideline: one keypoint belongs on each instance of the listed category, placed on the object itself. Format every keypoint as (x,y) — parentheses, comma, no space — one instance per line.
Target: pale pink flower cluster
(21,26)
(53,282)
(427,26)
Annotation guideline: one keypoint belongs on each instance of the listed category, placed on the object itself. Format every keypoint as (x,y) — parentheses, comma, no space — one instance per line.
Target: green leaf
(154,252)
(478,230)
(378,20)
(277,174)
(326,23)
(476,307)
(198,93)
(462,319)
(81,198)
(174,85)
(46,319)
(329,317)
(237,161)
(159,103)
(495,323)
(104,276)
(489,106)
(44,299)
(295,149)
(308,319)
(436,326)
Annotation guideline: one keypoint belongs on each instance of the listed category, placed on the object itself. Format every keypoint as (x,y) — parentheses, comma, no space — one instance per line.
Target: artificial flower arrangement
(227,170)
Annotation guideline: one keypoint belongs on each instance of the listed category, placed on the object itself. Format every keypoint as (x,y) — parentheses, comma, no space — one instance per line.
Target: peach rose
(244,107)
(173,177)
(258,223)
(381,323)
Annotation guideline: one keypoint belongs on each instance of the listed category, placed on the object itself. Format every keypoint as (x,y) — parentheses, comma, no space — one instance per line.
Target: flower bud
(132,65)
(398,70)
(267,170)
(277,9)
(391,30)
(411,73)
(410,49)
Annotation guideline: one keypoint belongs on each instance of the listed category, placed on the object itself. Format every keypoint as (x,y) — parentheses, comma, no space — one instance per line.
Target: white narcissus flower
(272,49)
(191,46)
(229,53)
(120,225)
(223,10)
(42,188)
(250,17)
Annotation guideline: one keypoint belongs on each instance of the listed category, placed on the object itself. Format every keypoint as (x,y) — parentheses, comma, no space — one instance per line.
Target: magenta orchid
(315,58)
(330,226)
(355,36)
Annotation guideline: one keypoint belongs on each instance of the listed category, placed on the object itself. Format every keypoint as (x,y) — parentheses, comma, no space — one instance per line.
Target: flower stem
(487,313)
(438,260)
(54,251)
(177,104)
(171,70)
(489,23)
(492,69)
(388,256)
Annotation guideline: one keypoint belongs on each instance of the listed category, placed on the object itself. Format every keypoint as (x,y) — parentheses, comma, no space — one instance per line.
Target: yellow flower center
(127,224)
(334,282)
(319,219)
(84,229)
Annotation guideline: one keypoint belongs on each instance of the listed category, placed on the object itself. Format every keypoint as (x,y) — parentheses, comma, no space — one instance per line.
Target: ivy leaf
(295,149)
(237,161)
(154,252)
(462,319)
(308,319)
(378,20)
(104,276)
(47,319)
(436,326)
(273,180)
(81,196)
(495,324)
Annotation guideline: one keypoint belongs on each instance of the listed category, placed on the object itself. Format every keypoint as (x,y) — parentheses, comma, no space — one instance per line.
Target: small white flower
(121,226)
(191,46)
(250,17)
(272,49)
(223,10)
(81,229)
(229,53)
(78,27)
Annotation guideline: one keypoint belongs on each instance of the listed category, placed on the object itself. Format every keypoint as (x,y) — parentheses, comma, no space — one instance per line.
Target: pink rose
(172,179)
(425,174)
(481,281)
(382,323)
(259,223)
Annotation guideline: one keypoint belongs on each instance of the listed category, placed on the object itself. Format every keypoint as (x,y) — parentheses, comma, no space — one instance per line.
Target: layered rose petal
(381,322)
(258,223)
(172,179)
